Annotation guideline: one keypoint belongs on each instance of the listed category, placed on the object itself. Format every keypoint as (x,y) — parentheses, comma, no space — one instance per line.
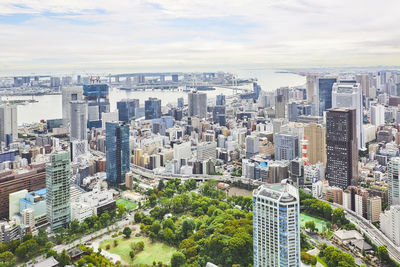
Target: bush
(108,246)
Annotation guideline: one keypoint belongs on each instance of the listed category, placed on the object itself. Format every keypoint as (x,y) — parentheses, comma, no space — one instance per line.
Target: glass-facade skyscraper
(152,108)
(97,97)
(324,91)
(58,190)
(126,109)
(117,145)
(276,225)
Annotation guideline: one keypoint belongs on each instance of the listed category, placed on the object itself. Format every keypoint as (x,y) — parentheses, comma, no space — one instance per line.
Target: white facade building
(378,115)
(183,151)
(276,225)
(359,205)
(347,94)
(206,150)
(79,117)
(390,224)
(393,181)
(69,93)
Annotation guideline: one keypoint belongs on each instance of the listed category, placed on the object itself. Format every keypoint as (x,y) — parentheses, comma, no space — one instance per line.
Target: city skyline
(200,35)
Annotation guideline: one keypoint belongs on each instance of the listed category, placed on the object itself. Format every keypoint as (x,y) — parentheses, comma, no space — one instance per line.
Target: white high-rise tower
(276,225)
(348,94)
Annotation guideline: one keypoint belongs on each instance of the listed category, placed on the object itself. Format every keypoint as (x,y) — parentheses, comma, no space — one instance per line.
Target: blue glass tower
(325,94)
(117,144)
(97,97)
(126,109)
(220,101)
(152,108)
(180,102)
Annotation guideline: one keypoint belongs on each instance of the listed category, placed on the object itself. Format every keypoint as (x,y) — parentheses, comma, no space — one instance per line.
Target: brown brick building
(33,178)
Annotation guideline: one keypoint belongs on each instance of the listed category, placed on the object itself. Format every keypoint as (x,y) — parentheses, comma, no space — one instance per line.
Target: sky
(114,36)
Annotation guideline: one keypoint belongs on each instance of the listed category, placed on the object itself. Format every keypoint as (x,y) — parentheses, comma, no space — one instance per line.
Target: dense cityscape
(302,175)
(174,133)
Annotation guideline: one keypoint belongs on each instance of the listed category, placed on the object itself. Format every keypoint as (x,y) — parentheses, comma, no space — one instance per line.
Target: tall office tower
(96,95)
(181,102)
(55,81)
(197,103)
(126,109)
(363,80)
(175,78)
(393,181)
(316,137)
(220,101)
(310,88)
(117,152)
(280,102)
(58,190)
(378,115)
(341,147)
(78,120)
(8,123)
(78,80)
(69,93)
(276,225)
(217,112)
(390,224)
(286,146)
(293,111)
(348,94)
(152,108)
(324,92)
(251,146)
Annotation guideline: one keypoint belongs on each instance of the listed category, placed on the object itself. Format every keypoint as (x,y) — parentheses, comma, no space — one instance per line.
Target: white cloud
(59,35)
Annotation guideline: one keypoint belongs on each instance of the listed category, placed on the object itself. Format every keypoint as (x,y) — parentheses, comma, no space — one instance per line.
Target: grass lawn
(152,251)
(321,261)
(129,205)
(319,224)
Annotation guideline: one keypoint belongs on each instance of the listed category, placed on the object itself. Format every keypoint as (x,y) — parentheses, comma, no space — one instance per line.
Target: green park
(152,251)
(319,223)
(128,205)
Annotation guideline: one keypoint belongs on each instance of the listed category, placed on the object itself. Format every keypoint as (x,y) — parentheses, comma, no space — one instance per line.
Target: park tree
(169,236)
(127,232)
(138,217)
(155,227)
(178,259)
(27,249)
(7,259)
(132,254)
(153,199)
(383,254)
(121,210)
(41,237)
(64,258)
(105,219)
(74,226)
(310,225)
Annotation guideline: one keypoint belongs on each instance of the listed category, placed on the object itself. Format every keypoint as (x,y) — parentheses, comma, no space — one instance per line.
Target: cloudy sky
(157,35)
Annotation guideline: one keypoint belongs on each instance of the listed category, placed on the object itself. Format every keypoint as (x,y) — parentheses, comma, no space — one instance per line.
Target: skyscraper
(341,147)
(316,137)
(78,120)
(8,123)
(324,92)
(97,97)
(310,88)
(117,152)
(152,108)
(276,225)
(363,80)
(197,104)
(58,190)
(126,109)
(220,101)
(393,181)
(69,93)
(348,94)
